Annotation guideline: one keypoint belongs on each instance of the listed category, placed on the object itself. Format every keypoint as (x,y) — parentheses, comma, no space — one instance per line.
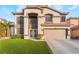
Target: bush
(19,36)
(40,36)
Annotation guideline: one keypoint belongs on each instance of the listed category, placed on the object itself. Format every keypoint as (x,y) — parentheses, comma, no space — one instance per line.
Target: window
(20,20)
(21,23)
(20,30)
(33,20)
(48,17)
(34,23)
(63,19)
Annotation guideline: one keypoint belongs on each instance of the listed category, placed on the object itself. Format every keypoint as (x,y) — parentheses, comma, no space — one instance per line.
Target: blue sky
(6,10)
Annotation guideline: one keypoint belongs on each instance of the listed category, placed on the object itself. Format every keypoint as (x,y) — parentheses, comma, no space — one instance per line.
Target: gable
(48,11)
(33,10)
(52,11)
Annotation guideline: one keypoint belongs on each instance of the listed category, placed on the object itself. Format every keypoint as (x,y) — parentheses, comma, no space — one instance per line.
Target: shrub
(18,36)
(40,36)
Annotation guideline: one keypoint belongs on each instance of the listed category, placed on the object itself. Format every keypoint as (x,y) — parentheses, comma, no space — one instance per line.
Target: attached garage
(55,33)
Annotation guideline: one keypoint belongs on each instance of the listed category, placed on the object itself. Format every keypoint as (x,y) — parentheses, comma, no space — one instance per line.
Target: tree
(1,29)
(8,28)
(4,29)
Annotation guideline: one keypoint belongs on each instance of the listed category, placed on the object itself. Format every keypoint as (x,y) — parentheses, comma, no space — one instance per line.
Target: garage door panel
(54,34)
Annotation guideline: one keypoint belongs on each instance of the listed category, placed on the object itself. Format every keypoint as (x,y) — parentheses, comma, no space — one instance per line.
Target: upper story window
(33,19)
(48,17)
(63,19)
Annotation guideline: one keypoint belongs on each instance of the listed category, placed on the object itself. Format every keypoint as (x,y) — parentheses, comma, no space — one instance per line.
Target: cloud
(73,7)
(58,7)
(20,7)
(5,12)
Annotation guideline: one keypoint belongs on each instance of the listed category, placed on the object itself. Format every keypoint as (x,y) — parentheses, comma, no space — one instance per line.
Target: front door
(34,33)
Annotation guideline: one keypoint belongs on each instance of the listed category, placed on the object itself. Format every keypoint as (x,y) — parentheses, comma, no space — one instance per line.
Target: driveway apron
(63,46)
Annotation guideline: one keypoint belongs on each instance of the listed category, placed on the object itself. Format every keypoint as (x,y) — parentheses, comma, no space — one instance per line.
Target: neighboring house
(73,21)
(6,28)
(42,22)
(74,25)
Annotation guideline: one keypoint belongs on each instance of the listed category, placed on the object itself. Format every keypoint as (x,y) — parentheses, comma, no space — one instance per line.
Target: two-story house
(41,22)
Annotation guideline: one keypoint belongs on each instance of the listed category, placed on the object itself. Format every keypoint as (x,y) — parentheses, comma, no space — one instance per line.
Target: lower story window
(20,30)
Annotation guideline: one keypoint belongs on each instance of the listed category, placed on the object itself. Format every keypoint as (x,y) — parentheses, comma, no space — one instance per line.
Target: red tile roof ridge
(56,24)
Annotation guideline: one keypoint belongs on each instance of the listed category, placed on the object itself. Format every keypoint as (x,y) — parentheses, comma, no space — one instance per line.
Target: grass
(23,47)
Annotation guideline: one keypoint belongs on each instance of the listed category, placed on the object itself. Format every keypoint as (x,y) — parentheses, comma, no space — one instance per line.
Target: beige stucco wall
(15,20)
(56,19)
(48,11)
(27,11)
(26,30)
(41,20)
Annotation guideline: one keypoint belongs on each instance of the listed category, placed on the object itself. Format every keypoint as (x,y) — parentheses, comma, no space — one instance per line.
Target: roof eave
(16,13)
(63,13)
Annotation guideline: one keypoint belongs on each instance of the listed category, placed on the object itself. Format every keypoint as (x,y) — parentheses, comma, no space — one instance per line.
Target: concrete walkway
(64,46)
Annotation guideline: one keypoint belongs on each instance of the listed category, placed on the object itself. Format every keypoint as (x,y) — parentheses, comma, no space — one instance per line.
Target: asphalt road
(64,46)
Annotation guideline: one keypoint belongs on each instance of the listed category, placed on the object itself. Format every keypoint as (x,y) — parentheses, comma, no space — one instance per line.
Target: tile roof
(18,13)
(75,18)
(55,24)
(75,27)
(63,13)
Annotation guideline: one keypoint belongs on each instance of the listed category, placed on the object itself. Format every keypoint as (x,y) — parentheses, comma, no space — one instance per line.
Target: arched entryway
(33,25)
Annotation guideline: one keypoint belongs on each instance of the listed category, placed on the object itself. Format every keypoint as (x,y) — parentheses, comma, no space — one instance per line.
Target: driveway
(63,46)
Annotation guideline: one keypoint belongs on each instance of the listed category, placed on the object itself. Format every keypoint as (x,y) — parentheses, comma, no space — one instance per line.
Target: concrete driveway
(64,46)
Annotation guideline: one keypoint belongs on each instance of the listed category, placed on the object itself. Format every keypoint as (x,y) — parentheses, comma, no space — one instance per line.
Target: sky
(6,10)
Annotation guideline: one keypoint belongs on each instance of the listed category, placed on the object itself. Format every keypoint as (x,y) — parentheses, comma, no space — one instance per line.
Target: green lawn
(23,47)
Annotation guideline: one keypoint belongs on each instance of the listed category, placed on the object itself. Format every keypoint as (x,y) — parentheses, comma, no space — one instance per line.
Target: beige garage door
(54,34)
